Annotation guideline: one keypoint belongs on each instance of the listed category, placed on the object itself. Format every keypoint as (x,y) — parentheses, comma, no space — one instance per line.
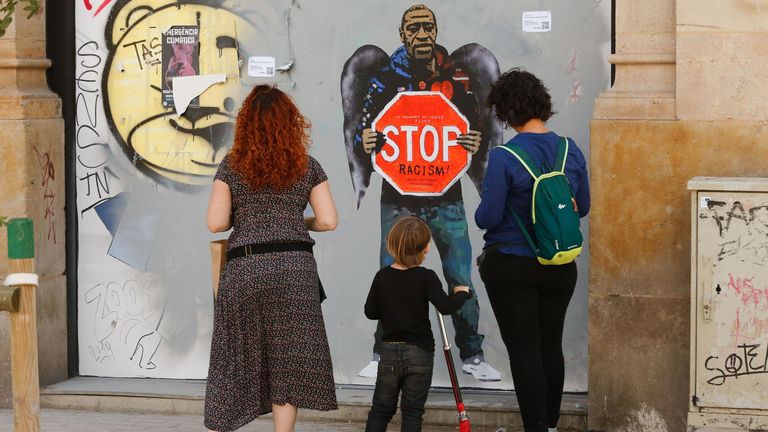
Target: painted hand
(470,141)
(370,138)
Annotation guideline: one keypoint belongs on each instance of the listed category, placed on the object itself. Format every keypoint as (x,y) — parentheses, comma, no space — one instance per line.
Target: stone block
(638,375)
(34,188)
(52,329)
(640,217)
(721,16)
(717,75)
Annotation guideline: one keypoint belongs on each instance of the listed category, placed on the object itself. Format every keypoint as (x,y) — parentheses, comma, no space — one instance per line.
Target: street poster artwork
(143,174)
(397,101)
(426,111)
(180,58)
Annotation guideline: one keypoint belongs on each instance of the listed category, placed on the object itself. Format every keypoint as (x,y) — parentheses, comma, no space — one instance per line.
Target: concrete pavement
(487,409)
(52,420)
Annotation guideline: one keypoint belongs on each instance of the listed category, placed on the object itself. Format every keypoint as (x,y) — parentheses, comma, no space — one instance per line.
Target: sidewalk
(123,404)
(88,421)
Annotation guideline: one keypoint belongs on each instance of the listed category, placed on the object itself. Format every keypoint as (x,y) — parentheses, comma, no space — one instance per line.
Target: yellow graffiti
(183,149)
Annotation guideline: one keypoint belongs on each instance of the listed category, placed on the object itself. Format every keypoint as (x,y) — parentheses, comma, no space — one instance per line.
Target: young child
(399,298)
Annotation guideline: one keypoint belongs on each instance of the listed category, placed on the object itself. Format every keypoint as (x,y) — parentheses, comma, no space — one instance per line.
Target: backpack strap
(562,154)
(524,159)
(530,166)
(526,234)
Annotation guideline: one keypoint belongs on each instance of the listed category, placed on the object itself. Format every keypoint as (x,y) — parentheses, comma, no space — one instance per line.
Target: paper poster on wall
(425,108)
(180,58)
(145,302)
(261,66)
(537,21)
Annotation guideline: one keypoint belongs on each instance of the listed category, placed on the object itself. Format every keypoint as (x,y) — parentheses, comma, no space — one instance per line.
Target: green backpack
(553,210)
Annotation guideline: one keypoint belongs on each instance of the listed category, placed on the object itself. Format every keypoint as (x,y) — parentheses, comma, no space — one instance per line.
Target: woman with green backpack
(535,191)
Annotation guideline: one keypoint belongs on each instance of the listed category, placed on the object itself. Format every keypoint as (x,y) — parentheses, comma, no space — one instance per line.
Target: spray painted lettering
(121,316)
(756,218)
(748,359)
(89,6)
(93,152)
(47,174)
(752,247)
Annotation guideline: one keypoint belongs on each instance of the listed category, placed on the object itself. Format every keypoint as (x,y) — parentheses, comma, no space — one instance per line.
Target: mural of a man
(369,81)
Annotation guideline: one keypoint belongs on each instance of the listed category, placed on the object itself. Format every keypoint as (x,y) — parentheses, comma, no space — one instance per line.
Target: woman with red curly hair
(269,351)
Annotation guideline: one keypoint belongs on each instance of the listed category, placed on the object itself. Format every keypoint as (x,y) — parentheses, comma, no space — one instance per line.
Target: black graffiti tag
(92,155)
(756,218)
(748,359)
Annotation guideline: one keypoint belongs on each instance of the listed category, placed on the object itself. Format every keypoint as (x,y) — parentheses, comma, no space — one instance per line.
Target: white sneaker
(370,371)
(482,371)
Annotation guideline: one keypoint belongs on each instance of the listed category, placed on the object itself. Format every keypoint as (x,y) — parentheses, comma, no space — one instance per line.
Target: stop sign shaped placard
(421,155)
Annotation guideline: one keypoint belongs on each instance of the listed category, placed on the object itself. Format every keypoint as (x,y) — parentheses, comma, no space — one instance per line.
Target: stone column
(722,60)
(638,294)
(689,100)
(32,157)
(645,62)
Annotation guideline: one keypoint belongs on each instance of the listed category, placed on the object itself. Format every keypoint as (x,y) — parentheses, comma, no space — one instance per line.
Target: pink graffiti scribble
(744,288)
(47,174)
(570,67)
(101,7)
(748,329)
(576,92)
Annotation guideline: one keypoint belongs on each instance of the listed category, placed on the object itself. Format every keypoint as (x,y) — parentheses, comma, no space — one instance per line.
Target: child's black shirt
(400,299)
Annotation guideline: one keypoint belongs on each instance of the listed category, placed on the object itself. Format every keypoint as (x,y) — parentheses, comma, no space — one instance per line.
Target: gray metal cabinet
(729,303)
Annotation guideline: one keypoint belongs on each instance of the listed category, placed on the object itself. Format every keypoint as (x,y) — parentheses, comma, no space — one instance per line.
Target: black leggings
(530,301)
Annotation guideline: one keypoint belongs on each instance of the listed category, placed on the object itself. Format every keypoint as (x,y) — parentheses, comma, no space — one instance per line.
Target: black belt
(262,248)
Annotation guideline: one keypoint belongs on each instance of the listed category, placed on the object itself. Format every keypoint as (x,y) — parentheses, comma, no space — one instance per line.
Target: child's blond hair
(407,241)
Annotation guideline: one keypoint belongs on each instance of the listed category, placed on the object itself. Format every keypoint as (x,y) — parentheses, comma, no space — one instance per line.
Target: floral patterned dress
(269,341)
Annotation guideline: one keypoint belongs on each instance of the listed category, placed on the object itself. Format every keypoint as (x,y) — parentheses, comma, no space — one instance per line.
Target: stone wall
(688,101)
(32,157)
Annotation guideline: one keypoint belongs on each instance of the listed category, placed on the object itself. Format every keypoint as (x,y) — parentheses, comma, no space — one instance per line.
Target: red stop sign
(421,155)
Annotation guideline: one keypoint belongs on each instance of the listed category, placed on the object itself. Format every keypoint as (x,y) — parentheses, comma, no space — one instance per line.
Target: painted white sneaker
(370,371)
(482,371)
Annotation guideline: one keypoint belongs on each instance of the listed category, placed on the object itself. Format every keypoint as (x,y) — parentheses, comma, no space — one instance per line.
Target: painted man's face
(419,33)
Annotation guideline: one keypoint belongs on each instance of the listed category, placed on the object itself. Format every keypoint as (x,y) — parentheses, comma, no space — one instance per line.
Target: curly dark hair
(271,139)
(518,96)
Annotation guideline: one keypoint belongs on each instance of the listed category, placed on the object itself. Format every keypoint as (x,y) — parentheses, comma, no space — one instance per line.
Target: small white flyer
(261,66)
(537,21)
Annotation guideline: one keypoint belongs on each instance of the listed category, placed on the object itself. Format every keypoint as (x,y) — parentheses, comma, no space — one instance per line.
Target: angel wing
(483,70)
(355,80)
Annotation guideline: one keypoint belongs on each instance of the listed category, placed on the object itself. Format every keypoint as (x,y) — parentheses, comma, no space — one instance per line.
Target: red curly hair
(271,140)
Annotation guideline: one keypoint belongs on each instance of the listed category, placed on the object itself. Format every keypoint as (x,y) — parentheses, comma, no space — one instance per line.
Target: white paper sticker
(705,201)
(186,88)
(537,21)
(261,66)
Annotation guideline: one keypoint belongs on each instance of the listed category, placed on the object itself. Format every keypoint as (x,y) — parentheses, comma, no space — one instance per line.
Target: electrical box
(729,304)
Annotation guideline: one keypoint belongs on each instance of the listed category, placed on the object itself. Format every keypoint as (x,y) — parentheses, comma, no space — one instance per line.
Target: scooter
(464,425)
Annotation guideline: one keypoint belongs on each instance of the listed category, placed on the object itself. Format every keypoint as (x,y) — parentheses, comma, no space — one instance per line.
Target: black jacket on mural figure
(399,76)
(371,79)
